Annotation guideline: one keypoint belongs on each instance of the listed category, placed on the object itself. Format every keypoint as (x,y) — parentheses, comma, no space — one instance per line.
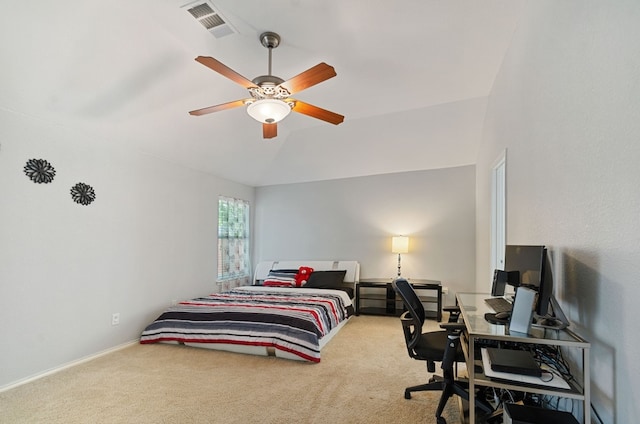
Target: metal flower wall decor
(83,193)
(39,171)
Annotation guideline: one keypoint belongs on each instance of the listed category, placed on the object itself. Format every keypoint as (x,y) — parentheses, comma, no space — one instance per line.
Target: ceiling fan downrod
(269,85)
(270,40)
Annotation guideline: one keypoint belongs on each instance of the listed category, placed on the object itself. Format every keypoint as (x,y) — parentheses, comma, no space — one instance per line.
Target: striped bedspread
(288,319)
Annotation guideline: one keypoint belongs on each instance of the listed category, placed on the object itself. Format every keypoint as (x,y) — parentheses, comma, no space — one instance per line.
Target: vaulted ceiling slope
(412,80)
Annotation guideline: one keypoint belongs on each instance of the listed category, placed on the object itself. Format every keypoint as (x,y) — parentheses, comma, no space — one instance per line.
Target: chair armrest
(454,312)
(453,326)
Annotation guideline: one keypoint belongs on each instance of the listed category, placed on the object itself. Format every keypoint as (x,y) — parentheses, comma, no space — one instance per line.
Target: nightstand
(375,296)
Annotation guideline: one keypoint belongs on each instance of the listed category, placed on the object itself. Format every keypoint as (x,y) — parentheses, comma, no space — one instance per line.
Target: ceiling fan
(270,100)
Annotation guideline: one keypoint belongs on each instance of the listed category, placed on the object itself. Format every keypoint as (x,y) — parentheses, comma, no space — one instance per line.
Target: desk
(379,291)
(473,308)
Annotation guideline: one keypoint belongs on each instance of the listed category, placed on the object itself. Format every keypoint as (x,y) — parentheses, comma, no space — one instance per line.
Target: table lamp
(399,245)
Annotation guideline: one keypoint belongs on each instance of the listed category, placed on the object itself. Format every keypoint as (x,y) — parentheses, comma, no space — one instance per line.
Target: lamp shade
(268,111)
(400,244)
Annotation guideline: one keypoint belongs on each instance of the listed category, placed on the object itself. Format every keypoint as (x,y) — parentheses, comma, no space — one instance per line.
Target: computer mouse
(503,315)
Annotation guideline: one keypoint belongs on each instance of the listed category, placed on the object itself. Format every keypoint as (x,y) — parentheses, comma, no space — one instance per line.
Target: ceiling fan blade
(316,112)
(310,77)
(217,108)
(223,69)
(269,130)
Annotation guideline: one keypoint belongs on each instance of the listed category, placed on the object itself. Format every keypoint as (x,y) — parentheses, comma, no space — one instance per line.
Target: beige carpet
(361,379)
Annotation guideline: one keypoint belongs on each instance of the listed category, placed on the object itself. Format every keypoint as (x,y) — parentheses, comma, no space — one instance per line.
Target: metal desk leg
(472,380)
(587,386)
(439,313)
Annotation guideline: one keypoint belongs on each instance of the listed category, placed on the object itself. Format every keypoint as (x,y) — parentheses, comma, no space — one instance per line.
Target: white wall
(355,218)
(149,238)
(565,105)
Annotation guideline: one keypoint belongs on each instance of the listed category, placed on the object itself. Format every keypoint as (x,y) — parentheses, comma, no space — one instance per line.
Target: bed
(267,318)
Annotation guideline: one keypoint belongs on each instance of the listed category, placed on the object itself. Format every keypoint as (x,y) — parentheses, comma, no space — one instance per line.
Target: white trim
(498,212)
(67,365)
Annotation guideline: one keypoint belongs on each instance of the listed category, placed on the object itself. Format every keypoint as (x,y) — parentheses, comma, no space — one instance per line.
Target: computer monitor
(499,282)
(529,266)
(545,289)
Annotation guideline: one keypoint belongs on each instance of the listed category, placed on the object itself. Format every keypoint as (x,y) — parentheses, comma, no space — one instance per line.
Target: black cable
(596,414)
(553,357)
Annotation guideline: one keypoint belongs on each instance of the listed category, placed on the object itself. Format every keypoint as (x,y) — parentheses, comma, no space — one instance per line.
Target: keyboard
(499,304)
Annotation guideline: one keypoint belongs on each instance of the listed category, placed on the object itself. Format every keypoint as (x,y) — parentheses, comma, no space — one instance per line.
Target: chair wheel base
(407,394)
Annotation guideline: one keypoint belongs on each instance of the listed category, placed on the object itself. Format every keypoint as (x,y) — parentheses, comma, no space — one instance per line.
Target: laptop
(513,361)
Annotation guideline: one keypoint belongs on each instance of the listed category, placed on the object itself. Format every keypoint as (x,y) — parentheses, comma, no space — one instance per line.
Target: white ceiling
(413,80)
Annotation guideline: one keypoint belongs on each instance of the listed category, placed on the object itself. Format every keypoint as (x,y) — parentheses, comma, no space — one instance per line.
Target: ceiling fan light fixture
(269,111)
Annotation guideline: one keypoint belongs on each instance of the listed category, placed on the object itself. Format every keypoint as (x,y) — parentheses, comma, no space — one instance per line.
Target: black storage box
(521,414)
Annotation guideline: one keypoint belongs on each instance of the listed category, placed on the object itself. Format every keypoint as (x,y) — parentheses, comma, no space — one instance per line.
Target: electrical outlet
(445,290)
(174,302)
(115,319)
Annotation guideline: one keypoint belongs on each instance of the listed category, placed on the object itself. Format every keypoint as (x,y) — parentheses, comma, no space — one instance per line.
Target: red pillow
(303,275)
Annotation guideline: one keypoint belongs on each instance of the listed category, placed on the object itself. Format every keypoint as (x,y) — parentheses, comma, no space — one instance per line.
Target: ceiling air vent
(205,13)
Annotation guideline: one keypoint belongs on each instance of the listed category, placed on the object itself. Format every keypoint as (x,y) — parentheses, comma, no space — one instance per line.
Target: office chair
(435,346)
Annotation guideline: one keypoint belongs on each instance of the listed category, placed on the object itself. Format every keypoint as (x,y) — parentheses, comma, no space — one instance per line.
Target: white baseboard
(67,365)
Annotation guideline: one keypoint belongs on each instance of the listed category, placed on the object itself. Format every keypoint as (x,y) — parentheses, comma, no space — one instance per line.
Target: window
(233,241)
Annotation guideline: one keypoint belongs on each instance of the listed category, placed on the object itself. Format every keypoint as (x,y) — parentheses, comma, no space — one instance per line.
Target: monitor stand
(554,321)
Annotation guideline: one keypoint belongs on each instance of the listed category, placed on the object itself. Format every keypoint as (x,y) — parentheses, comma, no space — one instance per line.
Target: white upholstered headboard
(352,268)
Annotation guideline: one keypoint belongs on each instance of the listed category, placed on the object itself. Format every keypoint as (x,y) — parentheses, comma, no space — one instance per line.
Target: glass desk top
(473,308)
